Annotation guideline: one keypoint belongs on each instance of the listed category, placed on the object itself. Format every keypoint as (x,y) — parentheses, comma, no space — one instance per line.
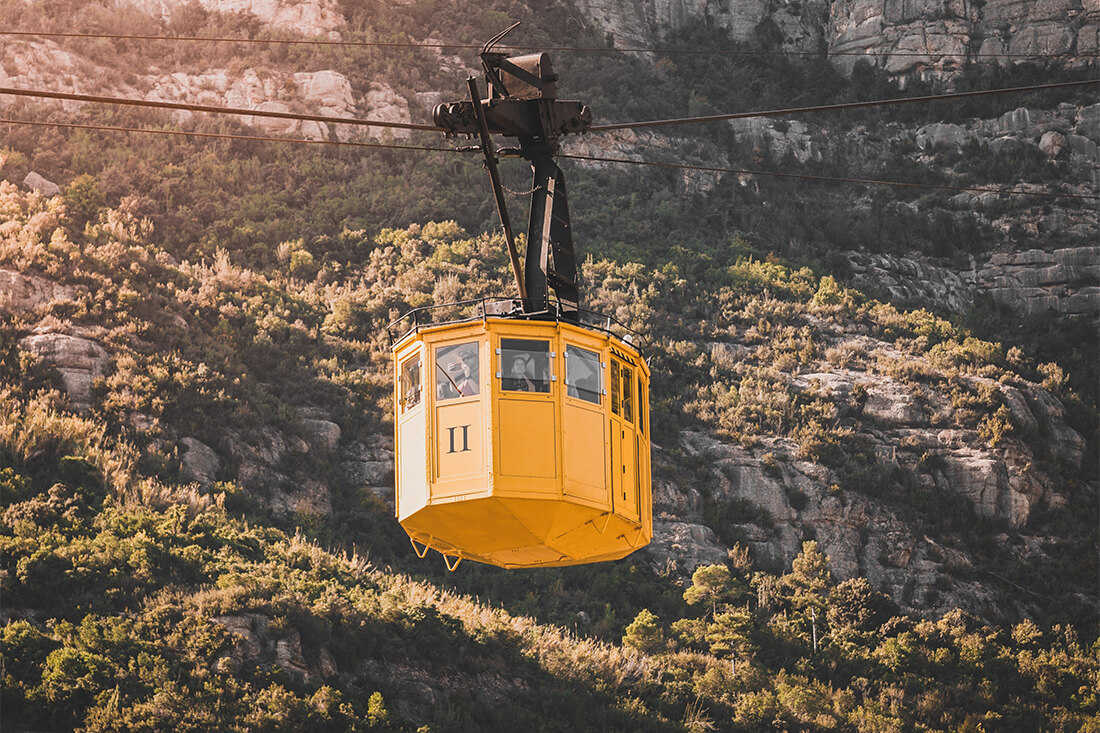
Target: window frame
(595,363)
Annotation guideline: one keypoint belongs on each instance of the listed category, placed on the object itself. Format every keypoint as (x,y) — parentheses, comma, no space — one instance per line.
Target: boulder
(288,656)
(198,462)
(78,360)
(941,134)
(322,434)
(36,182)
(248,630)
(1051,143)
(891,403)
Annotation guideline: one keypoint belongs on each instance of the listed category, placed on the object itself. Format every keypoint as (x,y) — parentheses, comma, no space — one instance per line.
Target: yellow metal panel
(480,526)
(629,488)
(584,451)
(527,435)
(547,518)
(459,448)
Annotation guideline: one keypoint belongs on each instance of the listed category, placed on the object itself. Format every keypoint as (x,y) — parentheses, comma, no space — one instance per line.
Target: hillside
(874,417)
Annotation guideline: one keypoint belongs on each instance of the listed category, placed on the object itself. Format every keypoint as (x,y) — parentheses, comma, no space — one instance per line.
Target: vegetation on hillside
(133,601)
(240,287)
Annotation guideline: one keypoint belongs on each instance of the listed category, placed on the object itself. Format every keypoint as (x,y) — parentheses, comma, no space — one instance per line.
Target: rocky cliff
(933,38)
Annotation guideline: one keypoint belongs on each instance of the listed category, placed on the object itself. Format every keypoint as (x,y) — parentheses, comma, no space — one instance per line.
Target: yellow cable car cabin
(522,432)
(522,443)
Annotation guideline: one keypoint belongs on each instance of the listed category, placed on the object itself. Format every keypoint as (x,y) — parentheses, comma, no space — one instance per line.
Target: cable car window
(410,383)
(641,405)
(582,374)
(525,365)
(615,386)
(456,371)
(628,392)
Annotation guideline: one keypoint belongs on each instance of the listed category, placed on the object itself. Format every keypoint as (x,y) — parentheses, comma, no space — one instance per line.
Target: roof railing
(481,309)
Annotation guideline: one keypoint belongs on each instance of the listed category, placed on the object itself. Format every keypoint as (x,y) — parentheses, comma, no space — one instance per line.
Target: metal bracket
(447,562)
(606,521)
(419,553)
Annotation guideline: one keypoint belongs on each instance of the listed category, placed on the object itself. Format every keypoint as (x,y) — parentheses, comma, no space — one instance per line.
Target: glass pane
(641,405)
(582,374)
(615,386)
(525,365)
(456,371)
(410,383)
(628,392)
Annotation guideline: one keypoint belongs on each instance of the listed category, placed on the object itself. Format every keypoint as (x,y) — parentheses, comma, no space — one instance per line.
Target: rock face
(256,640)
(634,145)
(1063,281)
(907,280)
(644,22)
(22,292)
(771,499)
(681,547)
(1034,281)
(369,464)
(306,17)
(78,360)
(324,92)
(929,37)
(937,37)
(320,92)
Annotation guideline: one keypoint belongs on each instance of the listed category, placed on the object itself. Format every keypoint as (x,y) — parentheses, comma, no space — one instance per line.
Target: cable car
(522,424)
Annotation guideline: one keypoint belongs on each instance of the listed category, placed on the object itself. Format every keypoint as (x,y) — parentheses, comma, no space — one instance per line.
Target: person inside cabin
(466,383)
(519,375)
(458,371)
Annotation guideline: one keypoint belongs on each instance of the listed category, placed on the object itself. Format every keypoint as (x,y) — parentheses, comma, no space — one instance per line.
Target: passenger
(466,382)
(518,379)
(458,371)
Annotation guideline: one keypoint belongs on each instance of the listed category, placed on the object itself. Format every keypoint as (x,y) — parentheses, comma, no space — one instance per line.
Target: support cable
(588,158)
(46,94)
(833,179)
(229,136)
(837,107)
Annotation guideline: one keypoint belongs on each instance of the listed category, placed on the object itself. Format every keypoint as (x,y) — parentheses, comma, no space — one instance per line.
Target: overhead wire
(231,136)
(98,99)
(588,158)
(837,107)
(126,101)
(810,177)
(515,47)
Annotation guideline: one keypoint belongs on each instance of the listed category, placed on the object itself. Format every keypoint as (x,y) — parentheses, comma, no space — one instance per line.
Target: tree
(644,633)
(83,200)
(809,582)
(730,633)
(855,604)
(713,584)
(810,579)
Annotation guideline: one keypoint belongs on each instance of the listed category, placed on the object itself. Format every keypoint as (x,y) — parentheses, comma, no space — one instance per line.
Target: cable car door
(624,443)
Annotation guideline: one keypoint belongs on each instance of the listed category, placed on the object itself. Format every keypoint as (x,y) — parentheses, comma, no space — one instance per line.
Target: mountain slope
(196,400)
